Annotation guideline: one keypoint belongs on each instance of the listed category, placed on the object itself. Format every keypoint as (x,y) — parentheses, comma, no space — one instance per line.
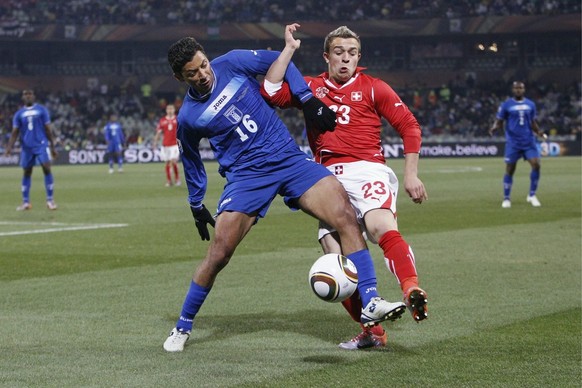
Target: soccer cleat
(506,204)
(415,299)
(178,183)
(535,202)
(24,206)
(379,310)
(111,171)
(51,205)
(366,339)
(120,169)
(168,184)
(176,340)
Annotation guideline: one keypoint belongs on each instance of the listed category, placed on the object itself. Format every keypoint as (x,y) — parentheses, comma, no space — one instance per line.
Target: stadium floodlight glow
(481,46)
(493,47)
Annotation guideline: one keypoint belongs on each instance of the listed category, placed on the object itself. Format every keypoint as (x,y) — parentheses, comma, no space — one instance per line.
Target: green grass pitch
(89,292)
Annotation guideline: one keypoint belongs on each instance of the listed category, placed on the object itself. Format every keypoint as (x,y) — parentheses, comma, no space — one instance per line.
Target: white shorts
(170,153)
(369,186)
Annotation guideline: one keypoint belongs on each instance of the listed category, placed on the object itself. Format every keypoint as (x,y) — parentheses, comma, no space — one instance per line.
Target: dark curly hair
(181,52)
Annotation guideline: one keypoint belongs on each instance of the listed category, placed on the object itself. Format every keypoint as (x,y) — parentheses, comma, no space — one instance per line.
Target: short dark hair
(182,52)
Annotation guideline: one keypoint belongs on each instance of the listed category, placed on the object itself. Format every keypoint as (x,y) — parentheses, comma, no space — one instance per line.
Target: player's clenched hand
(318,115)
(202,218)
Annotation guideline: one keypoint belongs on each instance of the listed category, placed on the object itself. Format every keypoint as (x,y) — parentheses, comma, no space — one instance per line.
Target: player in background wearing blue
(259,159)
(33,123)
(115,139)
(521,128)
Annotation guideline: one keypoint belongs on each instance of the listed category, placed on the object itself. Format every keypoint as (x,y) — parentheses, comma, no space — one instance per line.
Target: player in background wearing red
(170,152)
(353,152)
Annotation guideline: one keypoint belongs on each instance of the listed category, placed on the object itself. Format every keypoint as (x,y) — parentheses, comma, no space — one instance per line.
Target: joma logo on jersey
(217,104)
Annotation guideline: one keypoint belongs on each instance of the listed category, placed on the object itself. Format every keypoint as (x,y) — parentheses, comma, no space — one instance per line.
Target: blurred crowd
(458,111)
(152,12)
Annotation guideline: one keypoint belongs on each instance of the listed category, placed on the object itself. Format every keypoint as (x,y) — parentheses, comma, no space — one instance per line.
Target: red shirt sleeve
(391,107)
(282,99)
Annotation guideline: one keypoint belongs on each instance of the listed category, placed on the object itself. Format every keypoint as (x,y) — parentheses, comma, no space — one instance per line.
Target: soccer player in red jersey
(353,152)
(170,152)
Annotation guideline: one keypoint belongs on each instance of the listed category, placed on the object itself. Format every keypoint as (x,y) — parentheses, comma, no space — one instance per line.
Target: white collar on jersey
(332,85)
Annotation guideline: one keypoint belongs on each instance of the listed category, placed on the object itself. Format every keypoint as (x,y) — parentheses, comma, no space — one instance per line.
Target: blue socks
(366,275)
(534,178)
(507,182)
(49,186)
(26,180)
(194,298)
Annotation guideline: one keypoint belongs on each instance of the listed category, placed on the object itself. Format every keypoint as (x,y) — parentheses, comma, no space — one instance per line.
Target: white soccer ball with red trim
(333,278)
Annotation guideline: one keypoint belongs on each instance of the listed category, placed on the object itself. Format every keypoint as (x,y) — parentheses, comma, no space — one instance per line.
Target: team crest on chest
(339,170)
(321,92)
(356,96)
(233,114)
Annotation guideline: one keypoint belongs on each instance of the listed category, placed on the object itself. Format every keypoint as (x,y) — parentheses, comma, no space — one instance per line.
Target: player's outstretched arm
(276,74)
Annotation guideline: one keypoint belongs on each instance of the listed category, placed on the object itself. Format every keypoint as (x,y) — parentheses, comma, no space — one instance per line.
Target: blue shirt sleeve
(194,171)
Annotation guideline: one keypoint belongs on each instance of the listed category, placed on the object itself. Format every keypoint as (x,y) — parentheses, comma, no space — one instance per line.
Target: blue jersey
(114,135)
(518,117)
(31,122)
(243,130)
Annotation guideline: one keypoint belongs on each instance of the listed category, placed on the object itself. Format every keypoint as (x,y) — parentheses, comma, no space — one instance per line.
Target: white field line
(57,227)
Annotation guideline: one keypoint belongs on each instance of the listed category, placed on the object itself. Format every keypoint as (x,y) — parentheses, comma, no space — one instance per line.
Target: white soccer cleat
(535,202)
(379,310)
(506,204)
(51,205)
(176,340)
(24,206)
(111,171)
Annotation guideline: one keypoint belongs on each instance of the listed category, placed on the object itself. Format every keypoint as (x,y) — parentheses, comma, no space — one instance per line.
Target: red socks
(353,306)
(168,175)
(399,259)
(176,175)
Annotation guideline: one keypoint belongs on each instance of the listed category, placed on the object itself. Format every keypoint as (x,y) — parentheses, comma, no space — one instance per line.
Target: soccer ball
(333,278)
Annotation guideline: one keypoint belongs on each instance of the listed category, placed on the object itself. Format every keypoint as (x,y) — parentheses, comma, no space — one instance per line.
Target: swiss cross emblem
(356,96)
(339,170)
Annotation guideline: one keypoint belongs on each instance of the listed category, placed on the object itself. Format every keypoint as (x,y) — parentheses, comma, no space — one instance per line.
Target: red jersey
(168,128)
(360,105)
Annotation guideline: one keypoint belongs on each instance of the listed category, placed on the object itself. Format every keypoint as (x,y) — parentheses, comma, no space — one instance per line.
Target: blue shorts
(290,174)
(514,152)
(29,157)
(114,147)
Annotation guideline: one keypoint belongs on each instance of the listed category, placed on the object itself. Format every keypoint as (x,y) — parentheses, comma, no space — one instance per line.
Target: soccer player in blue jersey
(33,123)
(521,128)
(115,140)
(259,159)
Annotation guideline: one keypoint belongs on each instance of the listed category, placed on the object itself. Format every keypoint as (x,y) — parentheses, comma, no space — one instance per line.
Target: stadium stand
(451,61)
